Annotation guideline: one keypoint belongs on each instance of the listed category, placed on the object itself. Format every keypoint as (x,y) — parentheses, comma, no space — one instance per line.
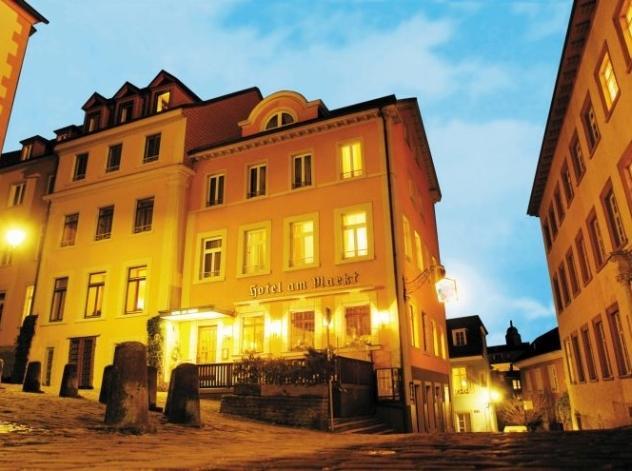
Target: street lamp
(445,288)
(15,237)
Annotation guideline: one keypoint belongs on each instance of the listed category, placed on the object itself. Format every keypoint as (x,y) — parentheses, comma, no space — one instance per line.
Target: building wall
(475,400)
(607,164)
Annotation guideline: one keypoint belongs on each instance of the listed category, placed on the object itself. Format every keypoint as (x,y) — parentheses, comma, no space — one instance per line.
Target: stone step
(365,424)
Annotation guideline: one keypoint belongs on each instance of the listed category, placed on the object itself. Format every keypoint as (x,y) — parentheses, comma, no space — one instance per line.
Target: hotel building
(582,194)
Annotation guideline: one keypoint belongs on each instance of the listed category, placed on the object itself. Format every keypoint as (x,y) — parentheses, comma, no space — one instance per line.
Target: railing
(216,375)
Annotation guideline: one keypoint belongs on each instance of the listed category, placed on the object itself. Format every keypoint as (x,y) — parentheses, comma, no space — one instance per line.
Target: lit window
(26,152)
(92,121)
(460,381)
(618,341)
(114,158)
(252,334)
(515,384)
(599,249)
(577,158)
(301,243)
(279,119)
(28,301)
(354,234)
(301,171)
(104,223)
(459,337)
(144,215)
(256,180)
(463,422)
(615,223)
(255,251)
(408,250)
(351,160)
(215,195)
(357,321)
(301,330)
(94,298)
(69,233)
(625,25)
(419,250)
(590,125)
(59,299)
(152,148)
(608,81)
(81,166)
(414,326)
(162,101)
(135,293)
(125,112)
(211,264)
(16,194)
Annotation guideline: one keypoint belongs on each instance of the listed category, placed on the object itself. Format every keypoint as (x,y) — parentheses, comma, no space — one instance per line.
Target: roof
(576,36)
(545,343)
(475,344)
(13,158)
(31,11)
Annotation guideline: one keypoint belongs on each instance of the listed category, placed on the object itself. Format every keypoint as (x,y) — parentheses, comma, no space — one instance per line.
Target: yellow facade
(582,196)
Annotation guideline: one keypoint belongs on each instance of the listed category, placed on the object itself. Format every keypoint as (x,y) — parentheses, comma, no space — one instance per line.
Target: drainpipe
(406,375)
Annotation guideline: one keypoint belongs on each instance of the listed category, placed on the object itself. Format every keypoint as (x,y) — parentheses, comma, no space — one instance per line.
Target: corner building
(582,194)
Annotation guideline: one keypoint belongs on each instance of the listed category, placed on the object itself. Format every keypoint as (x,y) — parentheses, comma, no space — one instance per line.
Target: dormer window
(125,112)
(281,118)
(92,121)
(162,101)
(26,152)
(459,337)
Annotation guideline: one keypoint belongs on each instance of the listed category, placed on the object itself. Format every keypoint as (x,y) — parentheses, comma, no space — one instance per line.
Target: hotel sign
(316,282)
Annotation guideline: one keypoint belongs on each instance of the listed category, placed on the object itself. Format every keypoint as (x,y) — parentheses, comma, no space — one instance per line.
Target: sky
(482,70)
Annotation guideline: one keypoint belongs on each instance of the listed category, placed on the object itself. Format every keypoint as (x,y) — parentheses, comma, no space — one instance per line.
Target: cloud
(543,19)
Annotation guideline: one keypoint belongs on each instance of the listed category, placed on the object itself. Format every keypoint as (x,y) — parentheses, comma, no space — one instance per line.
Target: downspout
(391,210)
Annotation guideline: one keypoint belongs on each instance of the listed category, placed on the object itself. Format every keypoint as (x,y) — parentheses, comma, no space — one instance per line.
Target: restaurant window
(577,158)
(60,287)
(162,101)
(408,249)
(572,272)
(599,249)
(256,180)
(579,364)
(136,286)
(301,330)
(144,215)
(591,128)
(302,242)
(301,171)
(211,264)
(255,250)
(607,82)
(351,161)
(125,111)
(215,192)
(619,343)
(460,381)
(69,232)
(588,353)
(16,194)
(252,334)
(114,158)
(584,266)
(602,348)
(567,184)
(81,166)
(152,148)
(94,298)
(104,223)
(278,119)
(357,321)
(614,220)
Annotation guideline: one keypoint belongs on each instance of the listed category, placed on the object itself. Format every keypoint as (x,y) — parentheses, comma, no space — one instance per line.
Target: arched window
(279,119)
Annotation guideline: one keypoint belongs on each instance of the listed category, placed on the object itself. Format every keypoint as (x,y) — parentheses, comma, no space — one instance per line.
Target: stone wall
(302,411)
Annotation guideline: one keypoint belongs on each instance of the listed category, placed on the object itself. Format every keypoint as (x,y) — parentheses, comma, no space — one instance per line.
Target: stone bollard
(32,382)
(106,384)
(69,383)
(184,396)
(126,408)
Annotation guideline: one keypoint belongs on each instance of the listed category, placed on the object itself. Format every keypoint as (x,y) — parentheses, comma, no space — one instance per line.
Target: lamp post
(330,379)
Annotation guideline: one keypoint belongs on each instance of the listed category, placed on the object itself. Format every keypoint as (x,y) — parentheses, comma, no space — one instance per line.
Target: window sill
(364,258)
(302,267)
(90,319)
(250,275)
(53,323)
(131,315)
(205,281)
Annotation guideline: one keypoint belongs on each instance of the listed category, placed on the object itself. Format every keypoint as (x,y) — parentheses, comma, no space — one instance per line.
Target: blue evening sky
(483,71)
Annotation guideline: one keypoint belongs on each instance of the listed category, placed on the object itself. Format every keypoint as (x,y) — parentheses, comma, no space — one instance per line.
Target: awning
(196,314)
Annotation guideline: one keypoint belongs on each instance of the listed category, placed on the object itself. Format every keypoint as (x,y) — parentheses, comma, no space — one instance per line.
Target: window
(252,334)
(136,286)
(152,148)
(618,341)
(16,194)
(608,82)
(419,251)
(557,297)
(547,235)
(584,267)
(144,215)
(50,184)
(424,331)
(94,298)
(463,422)
(414,326)
(355,233)
(114,158)
(590,125)
(104,223)
(515,384)
(49,365)
(215,194)
(567,184)
(255,251)
(69,233)
(408,250)
(602,348)
(599,250)
(569,361)
(351,160)
(357,321)
(552,371)
(81,353)
(81,166)
(125,112)
(301,171)
(539,382)
(26,152)
(624,23)
(572,272)
(211,264)
(28,300)
(162,101)
(3,297)
(460,380)
(459,337)
(557,197)
(579,365)
(552,221)
(92,121)
(588,352)
(566,297)
(577,159)
(435,338)
(278,119)
(613,218)
(301,330)
(256,180)
(59,299)
(302,243)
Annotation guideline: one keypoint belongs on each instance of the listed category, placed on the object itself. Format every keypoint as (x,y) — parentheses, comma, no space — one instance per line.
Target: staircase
(364,424)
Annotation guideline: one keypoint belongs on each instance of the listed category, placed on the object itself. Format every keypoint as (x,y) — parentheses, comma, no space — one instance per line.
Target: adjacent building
(582,194)
(502,358)
(472,391)
(17,20)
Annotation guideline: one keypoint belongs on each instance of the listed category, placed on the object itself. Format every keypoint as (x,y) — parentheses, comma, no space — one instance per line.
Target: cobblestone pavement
(42,431)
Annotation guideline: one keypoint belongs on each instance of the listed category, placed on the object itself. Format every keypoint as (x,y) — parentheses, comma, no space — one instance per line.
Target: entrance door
(207,344)
(81,353)
(421,409)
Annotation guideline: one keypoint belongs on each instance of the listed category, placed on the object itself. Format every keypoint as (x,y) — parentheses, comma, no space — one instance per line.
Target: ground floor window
(463,422)
(81,353)
(49,366)
(252,334)
(358,321)
(301,330)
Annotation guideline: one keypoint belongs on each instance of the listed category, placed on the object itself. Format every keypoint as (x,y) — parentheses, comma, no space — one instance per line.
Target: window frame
(302,346)
(81,159)
(219,201)
(339,213)
(577,157)
(104,235)
(455,337)
(109,168)
(128,107)
(288,238)
(572,272)
(147,157)
(256,334)
(567,184)
(241,256)
(607,101)
(590,126)
(261,189)
(278,114)
(138,281)
(595,235)
(156,103)
(623,31)
(350,337)
(591,366)
(353,173)
(99,287)
(59,294)
(616,232)
(582,256)
(65,241)
(17,193)
(222,235)
(619,344)
(142,214)
(306,181)
(602,348)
